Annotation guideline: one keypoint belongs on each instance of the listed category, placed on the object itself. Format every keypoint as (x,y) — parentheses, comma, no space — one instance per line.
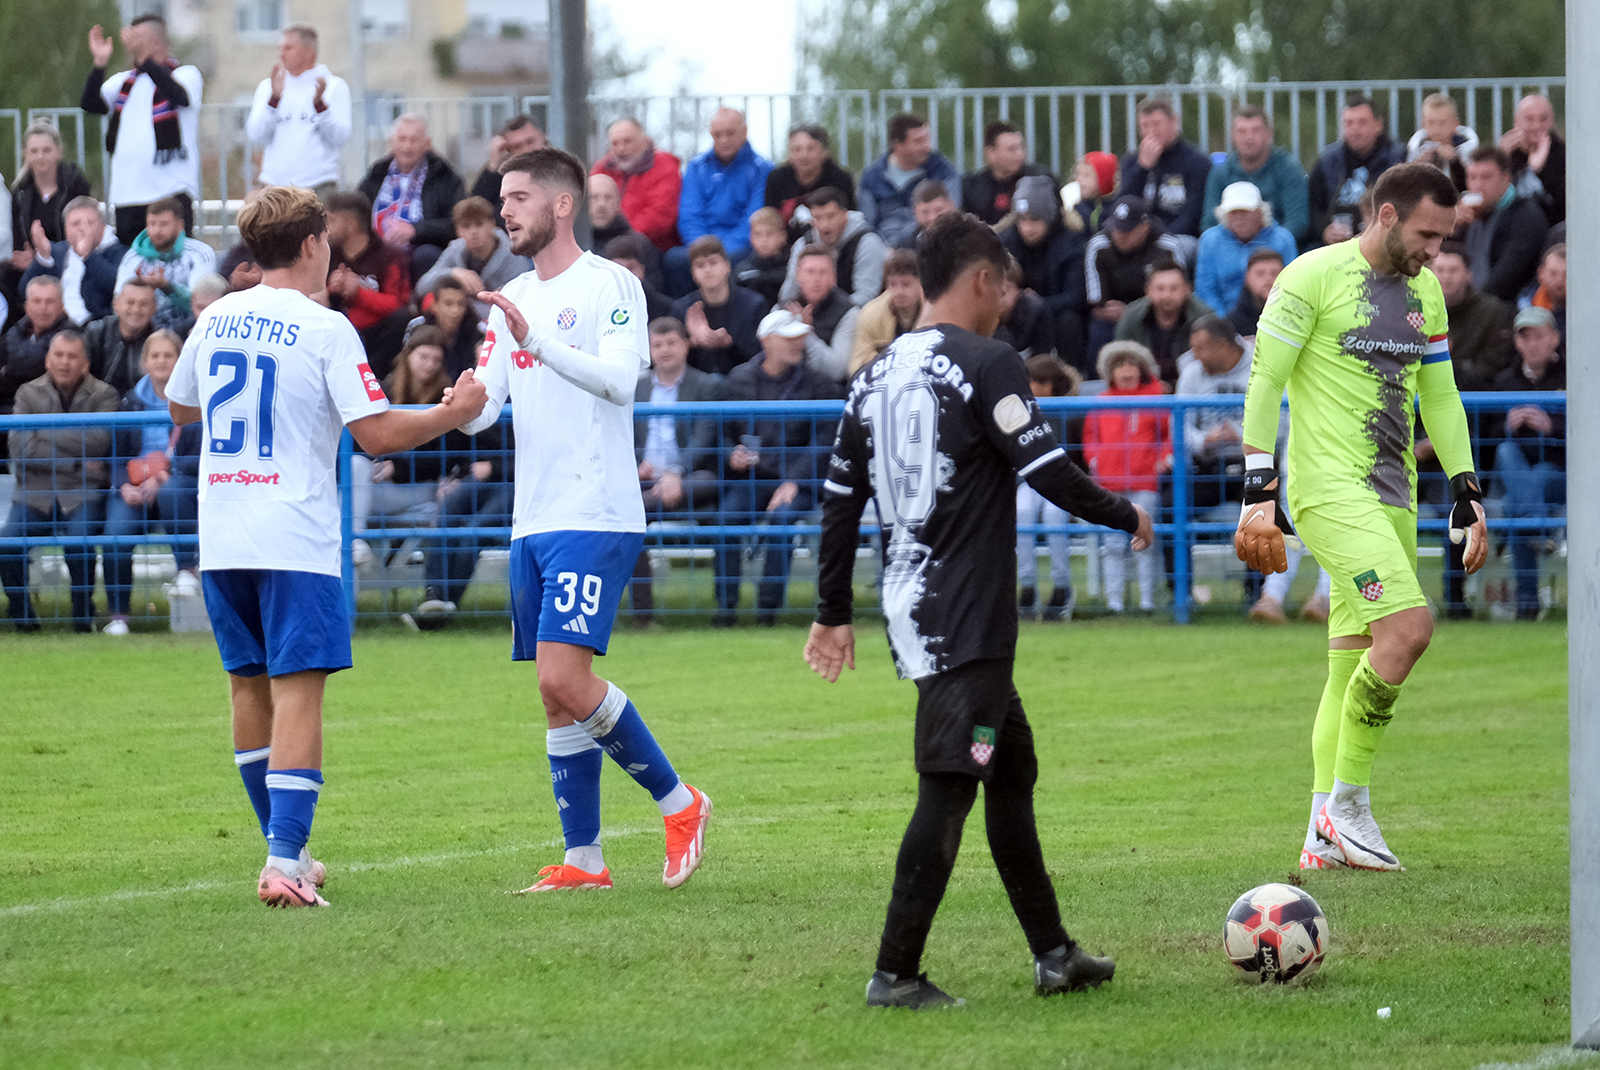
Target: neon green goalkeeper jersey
(1356,349)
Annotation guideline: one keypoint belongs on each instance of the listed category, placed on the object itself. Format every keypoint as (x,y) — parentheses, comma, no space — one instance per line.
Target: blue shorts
(277,622)
(566,586)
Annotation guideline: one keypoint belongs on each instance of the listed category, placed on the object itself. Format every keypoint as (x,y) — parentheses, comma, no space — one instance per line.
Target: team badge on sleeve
(619,317)
(485,349)
(370,381)
(1369,585)
(1011,413)
(982,744)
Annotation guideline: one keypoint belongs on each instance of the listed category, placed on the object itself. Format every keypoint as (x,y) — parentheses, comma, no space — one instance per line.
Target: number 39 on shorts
(568,583)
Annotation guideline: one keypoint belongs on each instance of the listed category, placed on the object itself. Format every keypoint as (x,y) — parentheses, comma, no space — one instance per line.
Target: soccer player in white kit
(276,376)
(566,343)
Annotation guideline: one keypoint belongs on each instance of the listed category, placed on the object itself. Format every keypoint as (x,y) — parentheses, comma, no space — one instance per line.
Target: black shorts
(965,715)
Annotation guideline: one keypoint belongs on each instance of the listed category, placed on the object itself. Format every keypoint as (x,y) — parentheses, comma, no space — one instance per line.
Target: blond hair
(277,224)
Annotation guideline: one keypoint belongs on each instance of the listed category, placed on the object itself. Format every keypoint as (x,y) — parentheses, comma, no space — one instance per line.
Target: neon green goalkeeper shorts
(1370,550)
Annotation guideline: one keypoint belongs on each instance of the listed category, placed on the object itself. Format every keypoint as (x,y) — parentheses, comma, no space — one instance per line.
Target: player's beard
(534,237)
(1401,258)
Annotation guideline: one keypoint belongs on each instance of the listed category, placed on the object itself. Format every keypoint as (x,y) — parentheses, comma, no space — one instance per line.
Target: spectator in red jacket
(368,280)
(1127,451)
(650,181)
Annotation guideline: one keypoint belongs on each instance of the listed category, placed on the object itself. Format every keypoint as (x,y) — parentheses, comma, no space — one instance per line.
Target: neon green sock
(1330,716)
(1368,709)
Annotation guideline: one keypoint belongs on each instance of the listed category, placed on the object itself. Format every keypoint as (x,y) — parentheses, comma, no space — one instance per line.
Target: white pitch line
(1549,1059)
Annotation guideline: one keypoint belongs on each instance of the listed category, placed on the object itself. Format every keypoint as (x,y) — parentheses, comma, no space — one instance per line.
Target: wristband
(1253,461)
(1260,479)
(1464,487)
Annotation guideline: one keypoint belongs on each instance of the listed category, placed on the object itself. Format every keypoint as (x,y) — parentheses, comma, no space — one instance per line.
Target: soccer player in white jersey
(566,343)
(275,376)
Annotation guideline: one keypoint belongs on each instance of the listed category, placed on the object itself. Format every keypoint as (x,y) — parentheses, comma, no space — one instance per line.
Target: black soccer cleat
(1069,971)
(918,993)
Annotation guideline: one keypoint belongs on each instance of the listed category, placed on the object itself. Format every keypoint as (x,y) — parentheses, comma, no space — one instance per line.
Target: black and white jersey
(934,433)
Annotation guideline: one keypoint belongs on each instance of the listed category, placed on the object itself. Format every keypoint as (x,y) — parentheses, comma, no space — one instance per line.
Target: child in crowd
(1127,450)
(1443,141)
(1049,377)
(768,263)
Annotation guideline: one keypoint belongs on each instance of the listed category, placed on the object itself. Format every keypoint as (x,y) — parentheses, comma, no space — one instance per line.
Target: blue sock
(617,727)
(294,802)
(253,771)
(575,762)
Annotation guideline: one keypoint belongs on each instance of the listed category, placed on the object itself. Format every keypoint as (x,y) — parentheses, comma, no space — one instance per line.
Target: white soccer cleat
(1322,856)
(1353,830)
(118,626)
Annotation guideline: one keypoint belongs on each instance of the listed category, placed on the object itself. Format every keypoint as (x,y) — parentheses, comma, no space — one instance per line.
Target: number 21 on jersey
(227,434)
(903,419)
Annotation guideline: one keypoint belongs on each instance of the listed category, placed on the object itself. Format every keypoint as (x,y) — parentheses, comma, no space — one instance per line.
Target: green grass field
(1174,776)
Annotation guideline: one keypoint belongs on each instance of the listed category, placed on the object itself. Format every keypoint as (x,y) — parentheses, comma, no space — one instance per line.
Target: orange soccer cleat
(686,834)
(565,878)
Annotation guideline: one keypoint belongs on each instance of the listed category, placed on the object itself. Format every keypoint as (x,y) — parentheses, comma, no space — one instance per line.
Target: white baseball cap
(1239,197)
(783,322)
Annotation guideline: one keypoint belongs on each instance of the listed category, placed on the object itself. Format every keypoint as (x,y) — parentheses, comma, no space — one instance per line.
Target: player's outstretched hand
(1145,537)
(466,398)
(1258,542)
(831,650)
(514,319)
(1475,552)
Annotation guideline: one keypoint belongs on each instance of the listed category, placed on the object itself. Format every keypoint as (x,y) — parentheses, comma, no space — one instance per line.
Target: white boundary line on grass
(437,858)
(1549,1059)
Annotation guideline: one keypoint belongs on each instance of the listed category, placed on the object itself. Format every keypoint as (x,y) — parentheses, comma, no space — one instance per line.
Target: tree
(47,49)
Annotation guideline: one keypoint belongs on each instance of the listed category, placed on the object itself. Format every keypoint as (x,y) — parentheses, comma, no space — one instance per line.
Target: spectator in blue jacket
(86,262)
(888,183)
(1167,171)
(1346,170)
(1225,250)
(1273,171)
(722,188)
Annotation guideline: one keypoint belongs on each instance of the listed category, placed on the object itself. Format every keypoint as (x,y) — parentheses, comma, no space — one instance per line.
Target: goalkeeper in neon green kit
(1356,331)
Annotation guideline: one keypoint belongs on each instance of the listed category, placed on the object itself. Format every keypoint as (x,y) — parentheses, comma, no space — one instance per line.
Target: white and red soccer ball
(1276,933)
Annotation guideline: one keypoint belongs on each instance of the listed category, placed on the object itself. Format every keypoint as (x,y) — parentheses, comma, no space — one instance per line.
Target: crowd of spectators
(764,280)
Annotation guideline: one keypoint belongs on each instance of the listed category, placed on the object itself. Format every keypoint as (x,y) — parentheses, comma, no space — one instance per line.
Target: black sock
(927,855)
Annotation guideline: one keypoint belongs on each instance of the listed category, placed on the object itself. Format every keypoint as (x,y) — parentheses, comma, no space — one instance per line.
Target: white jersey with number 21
(276,377)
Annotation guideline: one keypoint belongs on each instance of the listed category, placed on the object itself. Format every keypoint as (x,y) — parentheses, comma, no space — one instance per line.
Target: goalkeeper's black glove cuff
(1260,485)
(1464,490)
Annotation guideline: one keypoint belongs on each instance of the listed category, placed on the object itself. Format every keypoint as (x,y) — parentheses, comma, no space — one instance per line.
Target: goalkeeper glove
(1260,541)
(1466,513)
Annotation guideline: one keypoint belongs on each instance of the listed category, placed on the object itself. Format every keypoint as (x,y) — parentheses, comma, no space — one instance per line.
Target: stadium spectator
(768,263)
(158,496)
(721,318)
(207,288)
(1025,321)
(607,223)
(86,261)
(1247,225)
(1480,324)
(1531,461)
(153,134)
(987,192)
(368,280)
(890,314)
(1117,262)
(1442,140)
(1273,171)
(62,475)
(828,311)
(1128,451)
(1538,156)
(1551,292)
(858,252)
(809,168)
(518,136)
(300,117)
(635,253)
(239,265)
(1168,172)
(678,458)
(1212,437)
(480,258)
(1503,231)
(1164,318)
(722,188)
(114,343)
(929,201)
(450,309)
(649,179)
(24,347)
(1346,169)
(1260,272)
(1048,377)
(42,193)
(1097,176)
(468,502)
(888,182)
(1051,255)
(167,259)
(412,191)
(771,468)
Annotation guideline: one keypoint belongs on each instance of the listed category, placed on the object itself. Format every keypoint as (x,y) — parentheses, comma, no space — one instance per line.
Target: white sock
(675,800)
(589,859)
(289,867)
(1351,796)
(1317,799)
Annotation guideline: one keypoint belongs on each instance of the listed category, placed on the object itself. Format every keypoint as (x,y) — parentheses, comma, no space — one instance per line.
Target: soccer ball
(1276,932)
